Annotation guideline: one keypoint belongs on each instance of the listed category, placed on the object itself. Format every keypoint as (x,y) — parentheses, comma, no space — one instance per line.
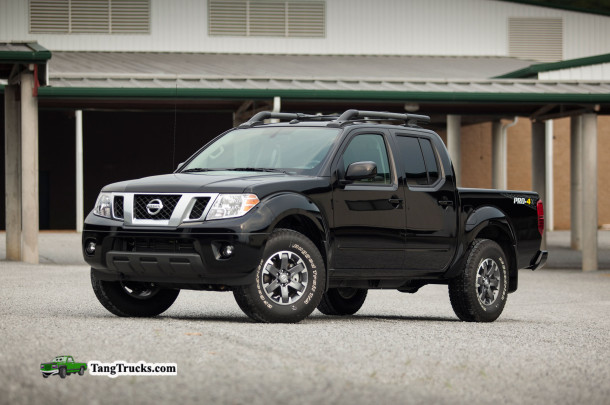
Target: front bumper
(50,372)
(539,260)
(184,255)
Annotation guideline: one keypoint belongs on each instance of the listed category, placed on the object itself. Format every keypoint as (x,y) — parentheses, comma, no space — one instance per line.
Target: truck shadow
(315,318)
(386,318)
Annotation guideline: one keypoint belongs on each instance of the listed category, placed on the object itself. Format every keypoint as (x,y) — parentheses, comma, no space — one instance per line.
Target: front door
(369,215)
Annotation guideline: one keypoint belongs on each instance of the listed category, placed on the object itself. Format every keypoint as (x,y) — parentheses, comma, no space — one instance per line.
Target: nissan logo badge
(154,206)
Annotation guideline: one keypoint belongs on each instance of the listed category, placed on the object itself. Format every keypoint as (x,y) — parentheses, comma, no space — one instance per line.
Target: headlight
(232,205)
(103,205)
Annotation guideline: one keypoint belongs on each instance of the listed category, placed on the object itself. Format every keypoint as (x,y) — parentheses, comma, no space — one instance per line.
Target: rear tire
(479,293)
(81,371)
(132,299)
(342,301)
(289,280)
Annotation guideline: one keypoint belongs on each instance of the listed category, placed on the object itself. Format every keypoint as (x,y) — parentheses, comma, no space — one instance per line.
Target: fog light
(90,248)
(227,251)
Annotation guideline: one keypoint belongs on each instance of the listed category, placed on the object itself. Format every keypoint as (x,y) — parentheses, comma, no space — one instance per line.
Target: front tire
(62,372)
(479,293)
(342,301)
(132,299)
(45,376)
(289,281)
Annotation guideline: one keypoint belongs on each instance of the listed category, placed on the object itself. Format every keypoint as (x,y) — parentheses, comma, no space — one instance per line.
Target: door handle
(395,202)
(445,203)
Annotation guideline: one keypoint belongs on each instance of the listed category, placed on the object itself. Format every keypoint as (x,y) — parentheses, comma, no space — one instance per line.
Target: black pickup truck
(308,213)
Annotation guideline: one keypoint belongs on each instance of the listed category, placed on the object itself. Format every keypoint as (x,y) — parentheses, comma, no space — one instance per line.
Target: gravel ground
(550,346)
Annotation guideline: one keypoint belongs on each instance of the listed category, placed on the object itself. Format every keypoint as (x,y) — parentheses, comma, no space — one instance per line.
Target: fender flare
(478,220)
(285,205)
(483,217)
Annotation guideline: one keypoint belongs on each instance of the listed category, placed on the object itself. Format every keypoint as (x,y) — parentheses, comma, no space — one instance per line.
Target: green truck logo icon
(62,365)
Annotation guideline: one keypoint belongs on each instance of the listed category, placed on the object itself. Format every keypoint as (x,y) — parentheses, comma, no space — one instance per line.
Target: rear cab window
(419,160)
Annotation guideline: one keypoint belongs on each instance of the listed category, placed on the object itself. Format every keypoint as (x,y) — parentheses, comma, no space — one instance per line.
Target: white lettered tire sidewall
(266,309)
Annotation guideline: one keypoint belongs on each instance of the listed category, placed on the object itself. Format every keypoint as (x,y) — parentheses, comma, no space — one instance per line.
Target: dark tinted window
(369,148)
(412,160)
(430,160)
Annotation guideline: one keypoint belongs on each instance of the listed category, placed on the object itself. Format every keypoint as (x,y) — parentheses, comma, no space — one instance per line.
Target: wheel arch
(299,213)
(493,224)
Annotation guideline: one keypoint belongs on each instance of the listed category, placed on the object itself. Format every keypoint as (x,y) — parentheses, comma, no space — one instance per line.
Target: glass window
(430,159)
(369,148)
(412,160)
(298,150)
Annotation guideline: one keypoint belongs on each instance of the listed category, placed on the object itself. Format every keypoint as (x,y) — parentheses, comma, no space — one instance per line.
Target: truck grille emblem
(154,206)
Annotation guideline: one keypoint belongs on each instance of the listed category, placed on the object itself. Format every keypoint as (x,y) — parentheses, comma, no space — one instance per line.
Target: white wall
(416,27)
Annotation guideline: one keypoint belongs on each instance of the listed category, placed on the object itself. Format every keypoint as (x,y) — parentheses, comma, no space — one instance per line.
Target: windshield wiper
(199,169)
(258,169)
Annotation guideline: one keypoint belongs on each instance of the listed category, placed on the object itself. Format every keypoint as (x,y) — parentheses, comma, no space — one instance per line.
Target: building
(137,85)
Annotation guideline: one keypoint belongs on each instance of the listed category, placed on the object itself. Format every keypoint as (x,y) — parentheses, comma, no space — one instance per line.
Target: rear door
(70,366)
(430,202)
(369,215)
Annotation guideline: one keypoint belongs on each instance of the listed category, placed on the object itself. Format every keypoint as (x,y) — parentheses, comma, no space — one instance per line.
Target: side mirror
(361,170)
(179,166)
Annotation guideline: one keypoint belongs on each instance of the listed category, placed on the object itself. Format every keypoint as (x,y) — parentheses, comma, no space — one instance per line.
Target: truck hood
(216,182)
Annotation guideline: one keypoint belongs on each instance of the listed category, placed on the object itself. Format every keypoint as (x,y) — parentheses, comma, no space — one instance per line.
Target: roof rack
(258,118)
(355,115)
(336,121)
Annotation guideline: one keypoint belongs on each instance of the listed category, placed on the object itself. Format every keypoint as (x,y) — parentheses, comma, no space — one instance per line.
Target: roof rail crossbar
(351,115)
(264,115)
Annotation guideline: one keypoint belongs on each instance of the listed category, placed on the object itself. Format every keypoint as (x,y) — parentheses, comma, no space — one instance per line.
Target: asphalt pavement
(550,346)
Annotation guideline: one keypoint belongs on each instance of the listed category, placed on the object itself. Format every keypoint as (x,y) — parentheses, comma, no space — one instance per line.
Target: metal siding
(399,27)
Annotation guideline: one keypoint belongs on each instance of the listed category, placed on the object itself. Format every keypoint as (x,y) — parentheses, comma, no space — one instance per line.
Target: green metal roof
(449,95)
(533,70)
(599,7)
(86,77)
(30,52)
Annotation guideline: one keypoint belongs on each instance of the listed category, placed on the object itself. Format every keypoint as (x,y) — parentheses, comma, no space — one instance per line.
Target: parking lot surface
(549,346)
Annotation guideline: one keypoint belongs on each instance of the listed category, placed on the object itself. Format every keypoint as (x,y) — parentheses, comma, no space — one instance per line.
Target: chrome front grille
(142,202)
(118,206)
(199,207)
(165,210)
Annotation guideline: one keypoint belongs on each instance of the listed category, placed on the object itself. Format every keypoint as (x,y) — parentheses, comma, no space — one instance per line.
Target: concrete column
(539,165)
(277,107)
(454,123)
(549,207)
(498,152)
(589,192)
(79,171)
(576,182)
(12,170)
(29,169)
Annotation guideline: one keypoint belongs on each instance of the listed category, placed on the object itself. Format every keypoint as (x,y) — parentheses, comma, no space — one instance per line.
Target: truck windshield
(289,149)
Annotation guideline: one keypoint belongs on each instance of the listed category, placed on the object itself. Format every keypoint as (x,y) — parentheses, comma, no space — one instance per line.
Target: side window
(430,159)
(369,147)
(413,161)
(419,160)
